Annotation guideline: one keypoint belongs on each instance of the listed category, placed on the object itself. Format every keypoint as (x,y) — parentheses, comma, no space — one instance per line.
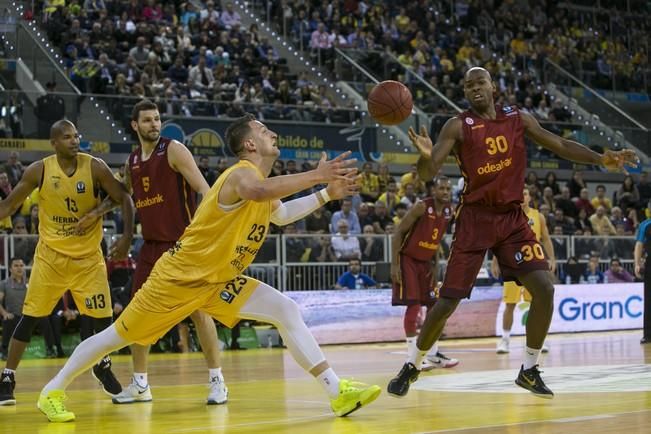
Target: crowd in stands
(192,58)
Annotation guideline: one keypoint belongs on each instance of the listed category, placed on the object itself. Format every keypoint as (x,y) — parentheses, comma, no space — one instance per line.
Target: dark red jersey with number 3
(492,158)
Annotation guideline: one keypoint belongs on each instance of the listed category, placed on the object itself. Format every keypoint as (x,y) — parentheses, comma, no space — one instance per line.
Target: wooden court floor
(602,383)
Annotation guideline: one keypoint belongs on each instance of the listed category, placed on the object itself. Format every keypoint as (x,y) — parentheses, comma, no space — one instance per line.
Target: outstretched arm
(575,151)
(284,213)
(432,157)
(245,184)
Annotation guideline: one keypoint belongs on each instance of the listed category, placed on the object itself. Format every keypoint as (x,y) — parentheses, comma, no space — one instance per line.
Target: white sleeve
(293,210)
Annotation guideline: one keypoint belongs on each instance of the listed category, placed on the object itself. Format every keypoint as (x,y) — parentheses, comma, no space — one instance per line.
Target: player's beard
(150,136)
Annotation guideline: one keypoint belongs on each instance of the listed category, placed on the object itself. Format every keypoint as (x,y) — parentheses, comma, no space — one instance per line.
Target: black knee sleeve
(25,328)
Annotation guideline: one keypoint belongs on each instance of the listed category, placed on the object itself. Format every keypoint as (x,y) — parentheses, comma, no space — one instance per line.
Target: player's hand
(617,161)
(337,168)
(117,308)
(421,141)
(7,316)
(345,187)
(396,275)
(638,271)
(495,269)
(120,248)
(85,223)
(69,315)
(552,265)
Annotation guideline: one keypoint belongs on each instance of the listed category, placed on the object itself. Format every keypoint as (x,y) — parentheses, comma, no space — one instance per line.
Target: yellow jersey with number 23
(221,241)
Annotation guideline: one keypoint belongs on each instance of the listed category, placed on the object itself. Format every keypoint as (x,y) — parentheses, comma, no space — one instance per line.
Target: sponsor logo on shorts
(81,187)
(519,258)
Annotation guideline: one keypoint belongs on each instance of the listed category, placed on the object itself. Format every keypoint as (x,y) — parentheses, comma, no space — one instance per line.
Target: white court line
(532,422)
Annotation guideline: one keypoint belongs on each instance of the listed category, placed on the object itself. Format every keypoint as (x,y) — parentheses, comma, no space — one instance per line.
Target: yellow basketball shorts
(54,273)
(513,293)
(161,304)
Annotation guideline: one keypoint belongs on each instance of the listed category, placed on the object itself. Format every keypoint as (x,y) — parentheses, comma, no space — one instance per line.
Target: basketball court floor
(602,383)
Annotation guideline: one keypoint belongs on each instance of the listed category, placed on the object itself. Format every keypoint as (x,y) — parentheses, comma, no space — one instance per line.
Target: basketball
(389,102)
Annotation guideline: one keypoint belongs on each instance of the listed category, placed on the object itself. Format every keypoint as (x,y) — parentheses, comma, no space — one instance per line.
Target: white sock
(87,353)
(530,357)
(434,350)
(330,382)
(215,373)
(141,379)
(506,334)
(411,344)
(8,371)
(415,356)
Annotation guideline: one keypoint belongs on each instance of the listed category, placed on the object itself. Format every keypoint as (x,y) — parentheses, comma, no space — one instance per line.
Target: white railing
(286,261)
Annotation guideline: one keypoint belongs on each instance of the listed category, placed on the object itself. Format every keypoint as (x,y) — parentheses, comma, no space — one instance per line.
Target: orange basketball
(390,102)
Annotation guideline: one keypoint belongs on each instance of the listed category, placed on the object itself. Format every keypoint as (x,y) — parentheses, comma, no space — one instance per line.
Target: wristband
(323,196)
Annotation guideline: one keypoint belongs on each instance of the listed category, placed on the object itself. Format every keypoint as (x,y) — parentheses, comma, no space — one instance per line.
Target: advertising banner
(587,307)
(295,140)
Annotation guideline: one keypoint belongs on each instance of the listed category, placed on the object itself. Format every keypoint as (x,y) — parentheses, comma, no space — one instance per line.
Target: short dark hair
(14,259)
(400,205)
(600,186)
(237,132)
(142,106)
(615,259)
(441,179)
(351,260)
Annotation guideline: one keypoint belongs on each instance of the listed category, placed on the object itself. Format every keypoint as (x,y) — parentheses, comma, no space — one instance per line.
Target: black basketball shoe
(102,373)
(399,386)
(7,386)
(530,379)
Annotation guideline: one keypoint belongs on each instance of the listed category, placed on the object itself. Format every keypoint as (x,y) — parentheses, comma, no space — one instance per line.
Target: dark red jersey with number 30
(492,158)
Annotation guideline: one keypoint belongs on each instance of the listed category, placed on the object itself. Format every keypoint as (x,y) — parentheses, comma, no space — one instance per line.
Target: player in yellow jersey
(513,292)
(69,184)
(203,270)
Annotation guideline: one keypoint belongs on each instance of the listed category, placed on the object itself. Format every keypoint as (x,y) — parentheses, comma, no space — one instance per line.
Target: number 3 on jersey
(497,144)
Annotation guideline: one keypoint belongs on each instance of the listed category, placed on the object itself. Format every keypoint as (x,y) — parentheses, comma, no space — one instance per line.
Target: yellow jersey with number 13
(221,241)
(534,222)
(62,201)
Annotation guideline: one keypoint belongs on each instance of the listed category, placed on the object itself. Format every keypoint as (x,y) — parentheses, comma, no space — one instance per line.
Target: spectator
(346,213)
(204,167)
(592,274)
(548,198)
(583,202)
(371,245)
(14,168)
(400,211)
(365,214)
(564,202)
(617,218)
(24,245)
(576,184)
(5,186)
(200,75)
(384,177)
(354,278)
(49,109)
(567,223)
(323,252)
(600,222)
(411,177)
(140,53)
(559,242)
(601,200)
(627,195)
(32,219)
(370,185)
(318,221)
(344,245)
(390,196)
(550,181)
(295,245)
(409,197)
(616,273)
(582,223)
(230,17)
(381,218)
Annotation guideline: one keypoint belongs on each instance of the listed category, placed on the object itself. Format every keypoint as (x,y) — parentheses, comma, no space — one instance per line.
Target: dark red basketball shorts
(150,252)
(416,284)
(505,231)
